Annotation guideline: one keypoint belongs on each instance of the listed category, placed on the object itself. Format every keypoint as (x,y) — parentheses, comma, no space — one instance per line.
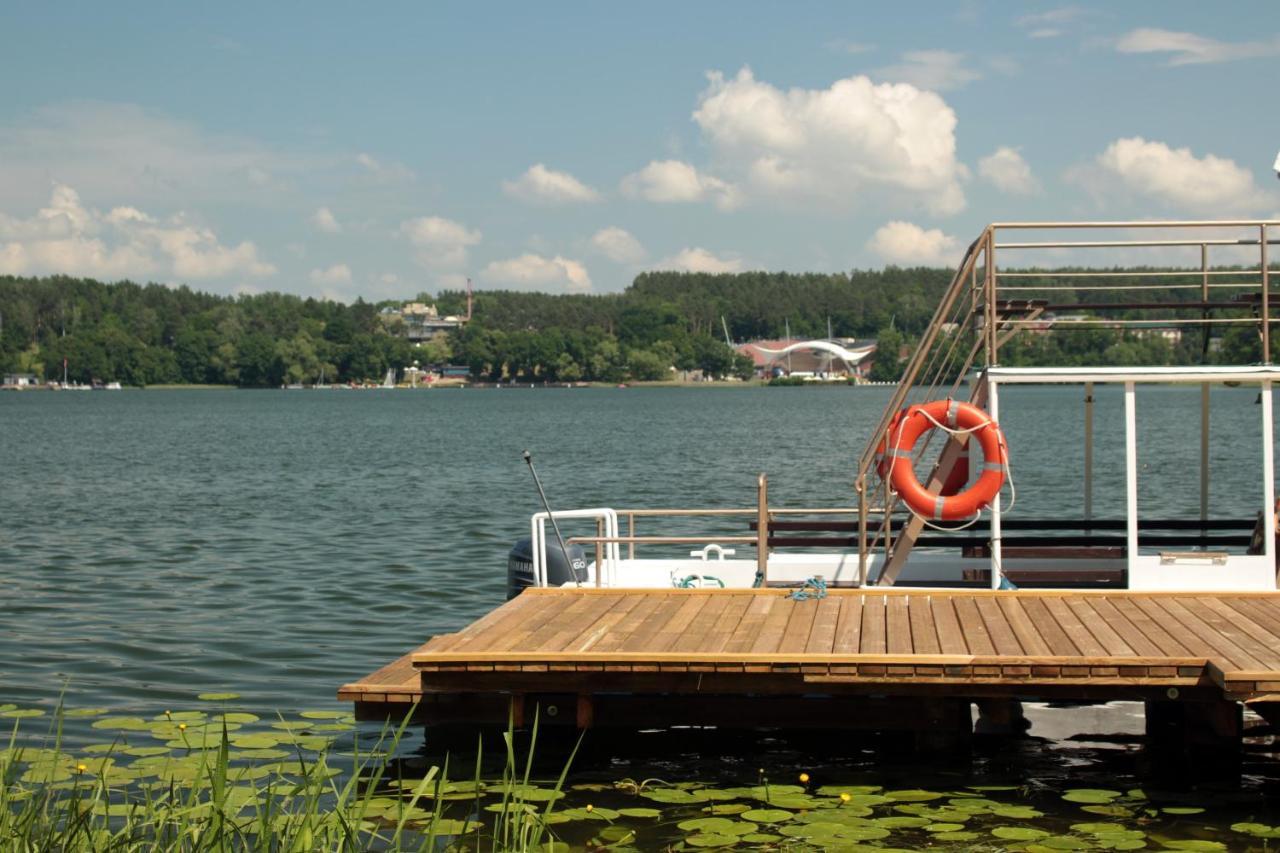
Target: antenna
(468,299)
(528,458)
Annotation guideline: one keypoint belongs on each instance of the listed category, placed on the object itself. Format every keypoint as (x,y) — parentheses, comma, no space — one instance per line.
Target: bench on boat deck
(1034,538)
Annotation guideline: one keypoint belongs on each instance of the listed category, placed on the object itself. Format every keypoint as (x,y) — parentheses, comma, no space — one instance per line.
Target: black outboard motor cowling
(563,565)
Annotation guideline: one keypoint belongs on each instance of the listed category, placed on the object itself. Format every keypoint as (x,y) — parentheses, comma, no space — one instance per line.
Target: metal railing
(983,308)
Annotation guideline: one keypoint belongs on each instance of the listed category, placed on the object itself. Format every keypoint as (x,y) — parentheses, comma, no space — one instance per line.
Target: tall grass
(206,799)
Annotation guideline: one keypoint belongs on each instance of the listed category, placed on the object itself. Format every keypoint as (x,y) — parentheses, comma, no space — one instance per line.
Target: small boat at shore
(930,513)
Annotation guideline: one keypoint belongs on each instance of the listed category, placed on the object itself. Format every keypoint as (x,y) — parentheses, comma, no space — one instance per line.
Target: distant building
(419,321)
(19,380)
(821,358)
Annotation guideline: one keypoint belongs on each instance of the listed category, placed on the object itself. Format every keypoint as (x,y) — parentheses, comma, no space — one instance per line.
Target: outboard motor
(563,566)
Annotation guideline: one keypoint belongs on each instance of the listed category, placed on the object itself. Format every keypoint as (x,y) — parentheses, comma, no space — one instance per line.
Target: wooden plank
(1193,634)
(998,628)
(1081,636)
(728,621)
(1028,637)
(924,635)
(849,626)
(744,635)
(950,636)
(628,625)
(606,624)
(1138,642)
(873,639)
(571,622)
(1261,613)
(1048,628)
(694,638)
(773,627)
(526,623)
(1150,628)
(505,615)
(823,636)
(671,630)
(1093,622)
(796,637)
(972,626)
(898,626)
(1247,652)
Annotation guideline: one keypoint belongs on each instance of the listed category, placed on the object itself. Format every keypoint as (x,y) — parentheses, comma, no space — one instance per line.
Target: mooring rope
(817,584)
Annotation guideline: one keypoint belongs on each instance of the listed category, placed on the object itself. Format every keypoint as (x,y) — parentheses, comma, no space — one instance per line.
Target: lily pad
(912,796)
(1092,796)
(717,825)
(711,840)
(84,712)
(1019,833)
(323,715)
(943,827)
(258,741)
(670,796)
(959,835)
(448,826)
(128,724)
(22,713)
(727,808)
(1017,812)
(640,812)
(1182,810)
(1194,844)
(218,697)
(766,815)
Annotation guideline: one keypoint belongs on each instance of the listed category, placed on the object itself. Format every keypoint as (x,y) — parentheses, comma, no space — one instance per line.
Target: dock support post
(1203,731)
(586,717)
(948,727)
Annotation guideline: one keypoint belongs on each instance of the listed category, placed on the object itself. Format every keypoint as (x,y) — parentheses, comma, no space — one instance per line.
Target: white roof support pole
(1268,475)
(1131,472)
(997,561)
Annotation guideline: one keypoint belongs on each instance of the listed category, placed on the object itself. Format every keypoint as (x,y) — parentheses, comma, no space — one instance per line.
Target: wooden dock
(691,656)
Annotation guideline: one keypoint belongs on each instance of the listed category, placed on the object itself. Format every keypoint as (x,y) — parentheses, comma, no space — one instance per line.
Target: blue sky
(400,147)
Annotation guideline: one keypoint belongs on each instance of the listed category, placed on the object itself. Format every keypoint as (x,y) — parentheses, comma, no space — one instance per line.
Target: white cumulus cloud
(324,219)
(907,244)
(1192,49)
(540,184)
(535,272)
(674,181)
(1209,184)
(852,144)
(336,274)
(440,242)
(69,238)
(697,259)
(618,245)
(1006,169)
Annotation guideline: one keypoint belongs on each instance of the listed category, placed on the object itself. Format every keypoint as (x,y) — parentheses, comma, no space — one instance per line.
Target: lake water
(156,545)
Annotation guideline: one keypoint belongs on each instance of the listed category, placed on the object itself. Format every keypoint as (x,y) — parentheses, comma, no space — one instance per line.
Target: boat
(112,386)
(926,512)
(389,381)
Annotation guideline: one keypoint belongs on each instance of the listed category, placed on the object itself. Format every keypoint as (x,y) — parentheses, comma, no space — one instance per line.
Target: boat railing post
(762,529)
(631,532)
(861,487)
(997,549)
(1204,394)
(1131,476)
(599,550)
(1268,477)
(1266,296)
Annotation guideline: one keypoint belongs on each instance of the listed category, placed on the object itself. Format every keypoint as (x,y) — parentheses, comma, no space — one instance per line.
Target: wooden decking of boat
(1079,644)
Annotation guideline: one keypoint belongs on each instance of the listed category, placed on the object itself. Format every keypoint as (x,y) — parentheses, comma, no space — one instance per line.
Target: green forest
(155,334)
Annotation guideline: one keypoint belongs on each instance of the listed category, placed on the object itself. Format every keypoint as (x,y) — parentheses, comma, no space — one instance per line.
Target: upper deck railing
(1141,278)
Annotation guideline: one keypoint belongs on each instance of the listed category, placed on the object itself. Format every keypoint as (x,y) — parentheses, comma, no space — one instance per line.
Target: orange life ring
(915,422)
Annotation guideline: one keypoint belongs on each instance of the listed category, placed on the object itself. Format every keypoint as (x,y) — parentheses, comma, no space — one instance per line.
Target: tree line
(155,334)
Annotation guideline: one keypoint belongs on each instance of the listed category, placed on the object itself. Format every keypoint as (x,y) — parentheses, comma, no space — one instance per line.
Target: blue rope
(687,583)
(818,585)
